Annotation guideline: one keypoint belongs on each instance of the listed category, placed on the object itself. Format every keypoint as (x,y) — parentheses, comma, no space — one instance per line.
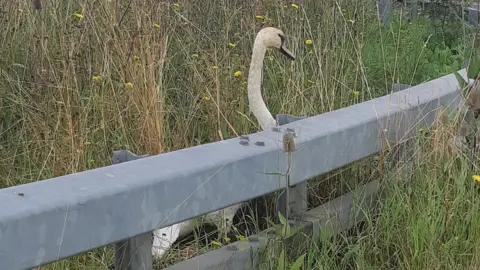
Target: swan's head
(274,38)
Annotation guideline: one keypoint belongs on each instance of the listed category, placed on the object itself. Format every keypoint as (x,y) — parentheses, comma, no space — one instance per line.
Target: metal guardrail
(330,218)
(412,7)
(52,219)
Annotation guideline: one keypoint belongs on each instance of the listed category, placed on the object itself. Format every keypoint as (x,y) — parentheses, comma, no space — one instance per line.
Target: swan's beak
(287,52)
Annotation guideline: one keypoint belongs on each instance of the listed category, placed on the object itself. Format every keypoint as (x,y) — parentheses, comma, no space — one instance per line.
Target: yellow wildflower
(195,55)
(270,58)
(476,178)
(259,17)
(97,78)
(129,85)
(156,25)
(207,98)
(233,45)
(308,42)
(237,74)
(294,6)
(78,15)
(176,5)
(241,238)
(215,243)
(214,67)
(356,93)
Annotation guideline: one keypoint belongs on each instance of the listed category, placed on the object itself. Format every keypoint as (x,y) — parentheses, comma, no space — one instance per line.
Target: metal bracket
(121,156)
(283,119)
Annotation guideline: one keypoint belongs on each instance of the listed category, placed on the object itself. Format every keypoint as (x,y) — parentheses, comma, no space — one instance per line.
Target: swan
(268,37)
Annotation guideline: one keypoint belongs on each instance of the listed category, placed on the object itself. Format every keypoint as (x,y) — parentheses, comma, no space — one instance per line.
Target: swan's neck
(255,99)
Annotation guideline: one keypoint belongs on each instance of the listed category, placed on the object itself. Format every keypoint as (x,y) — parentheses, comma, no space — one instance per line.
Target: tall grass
(426,219)
(81,79)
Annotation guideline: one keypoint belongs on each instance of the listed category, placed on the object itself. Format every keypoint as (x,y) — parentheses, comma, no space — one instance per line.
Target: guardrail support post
(473,10)
(134,253)
(297,201)
(384,10)
(412,7)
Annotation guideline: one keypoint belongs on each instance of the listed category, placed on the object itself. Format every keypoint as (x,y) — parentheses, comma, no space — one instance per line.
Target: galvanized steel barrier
(57,218)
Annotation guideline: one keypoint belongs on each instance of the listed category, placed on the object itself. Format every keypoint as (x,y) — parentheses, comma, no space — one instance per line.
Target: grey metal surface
(134,253)
(412,7)
(473,10)
(56,218)
(401,148)
(384,11)
(330,140)
(297,199)
(283,119)
(399,87)
(334,216)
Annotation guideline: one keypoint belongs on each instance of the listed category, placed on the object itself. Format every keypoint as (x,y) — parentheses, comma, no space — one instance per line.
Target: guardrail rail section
(49,220)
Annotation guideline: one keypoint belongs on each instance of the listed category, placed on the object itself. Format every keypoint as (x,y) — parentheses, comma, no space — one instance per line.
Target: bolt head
(260,143)
(244,142)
